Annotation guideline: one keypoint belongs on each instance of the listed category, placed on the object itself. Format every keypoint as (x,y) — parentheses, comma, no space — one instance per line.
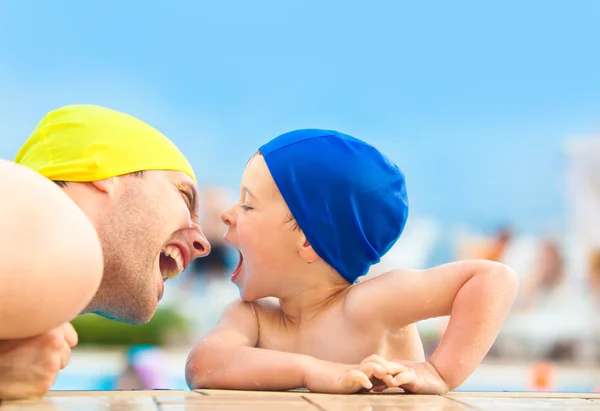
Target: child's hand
(417,378)
(326,377)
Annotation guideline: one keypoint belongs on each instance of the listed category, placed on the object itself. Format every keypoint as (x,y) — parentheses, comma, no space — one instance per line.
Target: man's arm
(50,259)
(227,358)
(477,294)
(29,366)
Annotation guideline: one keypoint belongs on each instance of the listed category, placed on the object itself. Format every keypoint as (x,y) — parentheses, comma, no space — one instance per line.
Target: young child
(317,209)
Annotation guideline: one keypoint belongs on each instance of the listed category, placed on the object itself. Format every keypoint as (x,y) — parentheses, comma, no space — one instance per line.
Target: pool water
(109,381)
(92,382)
(165,370)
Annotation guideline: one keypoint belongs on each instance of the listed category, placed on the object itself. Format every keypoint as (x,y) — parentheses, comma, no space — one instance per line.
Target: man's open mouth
(171,262)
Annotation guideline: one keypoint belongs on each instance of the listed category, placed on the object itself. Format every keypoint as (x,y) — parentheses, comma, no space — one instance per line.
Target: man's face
(149,233)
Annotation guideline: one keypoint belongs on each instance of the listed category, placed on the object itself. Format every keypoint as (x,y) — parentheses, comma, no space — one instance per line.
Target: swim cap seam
(298,142)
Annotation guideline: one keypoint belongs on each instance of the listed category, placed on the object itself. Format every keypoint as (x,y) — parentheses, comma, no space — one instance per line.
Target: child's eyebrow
(249,193)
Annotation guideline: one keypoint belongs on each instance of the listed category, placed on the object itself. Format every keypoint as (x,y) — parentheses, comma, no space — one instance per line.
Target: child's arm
(476,294)
(227,358)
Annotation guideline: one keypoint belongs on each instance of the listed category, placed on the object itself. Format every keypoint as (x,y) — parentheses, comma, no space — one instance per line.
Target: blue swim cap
(346,196)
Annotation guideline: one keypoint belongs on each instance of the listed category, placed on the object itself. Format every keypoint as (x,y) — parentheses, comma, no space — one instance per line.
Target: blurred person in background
(583,184)
(207,283)
(544,290)
(546,279)
(492,249)
(214,266)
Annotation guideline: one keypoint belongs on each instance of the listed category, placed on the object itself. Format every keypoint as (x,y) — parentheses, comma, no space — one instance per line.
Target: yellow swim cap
(87,143)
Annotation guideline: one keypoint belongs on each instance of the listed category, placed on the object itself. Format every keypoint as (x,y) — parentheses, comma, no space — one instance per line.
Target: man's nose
(200,245)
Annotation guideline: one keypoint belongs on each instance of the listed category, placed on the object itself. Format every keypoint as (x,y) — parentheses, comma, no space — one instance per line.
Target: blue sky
(473,100)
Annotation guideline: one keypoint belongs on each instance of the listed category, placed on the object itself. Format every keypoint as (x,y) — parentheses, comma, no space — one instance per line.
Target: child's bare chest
(329,338)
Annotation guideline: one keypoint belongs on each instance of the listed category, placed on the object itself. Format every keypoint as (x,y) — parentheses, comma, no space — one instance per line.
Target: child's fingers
(382,373)
(404,378)
(387,367)
(375,359)
(395,368)
(372,369)
(379,388)
(355,380)
(389,381)
(376,370)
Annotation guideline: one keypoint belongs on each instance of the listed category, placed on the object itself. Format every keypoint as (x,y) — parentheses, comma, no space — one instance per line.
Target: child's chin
(249,296)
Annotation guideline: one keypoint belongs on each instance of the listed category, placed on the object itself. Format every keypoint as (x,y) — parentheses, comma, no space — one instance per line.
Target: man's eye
(187,196)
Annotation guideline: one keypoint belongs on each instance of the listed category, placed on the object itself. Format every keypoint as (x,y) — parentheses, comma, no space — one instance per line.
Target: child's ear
(108,185)
(307,253)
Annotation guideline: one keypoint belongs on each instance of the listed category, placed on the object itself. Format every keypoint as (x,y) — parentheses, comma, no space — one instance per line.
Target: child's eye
(245,207)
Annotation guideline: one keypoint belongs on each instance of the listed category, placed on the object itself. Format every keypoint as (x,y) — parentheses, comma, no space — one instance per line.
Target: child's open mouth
(238,269)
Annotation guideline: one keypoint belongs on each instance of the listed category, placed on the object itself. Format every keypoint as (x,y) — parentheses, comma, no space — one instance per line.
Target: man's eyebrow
(192,194)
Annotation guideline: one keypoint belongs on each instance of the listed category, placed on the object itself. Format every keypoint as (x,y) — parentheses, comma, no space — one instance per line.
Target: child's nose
(228,216)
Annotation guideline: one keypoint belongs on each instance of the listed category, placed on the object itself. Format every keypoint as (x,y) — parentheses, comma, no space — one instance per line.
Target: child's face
(257,228)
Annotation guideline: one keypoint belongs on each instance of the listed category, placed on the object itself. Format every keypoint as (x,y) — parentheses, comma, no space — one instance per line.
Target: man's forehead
(187,184)
(180,178)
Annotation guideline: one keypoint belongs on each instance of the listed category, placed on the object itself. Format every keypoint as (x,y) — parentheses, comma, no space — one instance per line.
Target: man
(139,194)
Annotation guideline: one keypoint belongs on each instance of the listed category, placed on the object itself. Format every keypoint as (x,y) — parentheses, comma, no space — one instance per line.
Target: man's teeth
(173,252)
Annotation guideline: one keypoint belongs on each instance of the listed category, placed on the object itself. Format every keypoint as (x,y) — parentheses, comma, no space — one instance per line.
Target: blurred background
(492,110)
